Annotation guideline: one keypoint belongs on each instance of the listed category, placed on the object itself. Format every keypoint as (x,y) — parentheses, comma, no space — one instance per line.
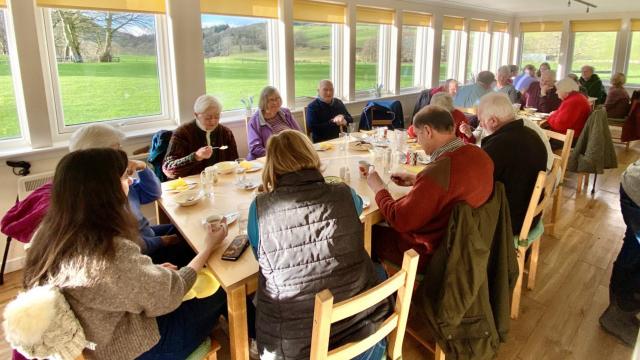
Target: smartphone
(236,248)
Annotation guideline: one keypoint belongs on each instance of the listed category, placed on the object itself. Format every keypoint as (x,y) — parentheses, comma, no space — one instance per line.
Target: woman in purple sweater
(270,119)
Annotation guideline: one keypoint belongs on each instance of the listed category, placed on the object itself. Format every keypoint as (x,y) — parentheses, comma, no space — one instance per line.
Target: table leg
(238,332)
(161,216)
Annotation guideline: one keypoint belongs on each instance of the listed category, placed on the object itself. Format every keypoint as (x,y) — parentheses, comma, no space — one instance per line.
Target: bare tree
(4,46)
(110,23)
(73,24)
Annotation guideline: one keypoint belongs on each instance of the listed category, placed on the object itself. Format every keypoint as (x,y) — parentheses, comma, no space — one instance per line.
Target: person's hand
(403,179)
(168,240)
(375,181)
(466,129)
(204,153)
(340,120)
(216,234)
(135,165)
(169,266)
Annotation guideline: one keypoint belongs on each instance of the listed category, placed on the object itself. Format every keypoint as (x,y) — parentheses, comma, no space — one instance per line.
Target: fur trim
(28,316)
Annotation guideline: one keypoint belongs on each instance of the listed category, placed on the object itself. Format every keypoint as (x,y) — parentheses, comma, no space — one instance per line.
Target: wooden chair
(567,140)
(304,122)
(327,313)
(619,123)
(545,185)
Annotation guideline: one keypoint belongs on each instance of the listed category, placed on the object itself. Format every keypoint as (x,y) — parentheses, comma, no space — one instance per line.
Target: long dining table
(240,278)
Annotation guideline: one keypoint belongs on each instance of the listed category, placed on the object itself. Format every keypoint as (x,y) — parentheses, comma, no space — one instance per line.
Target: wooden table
(240,278)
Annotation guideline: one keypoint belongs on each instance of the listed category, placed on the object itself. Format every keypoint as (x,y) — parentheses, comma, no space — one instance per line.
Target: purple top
(259,131)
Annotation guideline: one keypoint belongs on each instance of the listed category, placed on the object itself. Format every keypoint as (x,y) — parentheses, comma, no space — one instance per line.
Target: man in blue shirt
(522,81)
(326,114)
(469,95)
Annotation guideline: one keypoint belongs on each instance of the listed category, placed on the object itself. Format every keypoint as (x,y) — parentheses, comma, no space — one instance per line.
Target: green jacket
(465,297)
(594,88)
(594,149)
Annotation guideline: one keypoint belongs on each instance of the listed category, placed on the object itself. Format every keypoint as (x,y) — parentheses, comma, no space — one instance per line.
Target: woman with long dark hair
(88,247)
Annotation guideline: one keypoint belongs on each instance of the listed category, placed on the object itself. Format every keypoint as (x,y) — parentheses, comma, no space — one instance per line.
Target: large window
(479,46)
(633,69)
(312,43)
(407,68)
(236,60)
(596,49)
(539,47)
(367,42)
(499,50)
(450,48)
(105,65)
(9,124)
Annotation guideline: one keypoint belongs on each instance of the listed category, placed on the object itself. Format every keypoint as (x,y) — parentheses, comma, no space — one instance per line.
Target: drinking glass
(208,177)
(351,128)
(243,218)
(343,139)
(240,172)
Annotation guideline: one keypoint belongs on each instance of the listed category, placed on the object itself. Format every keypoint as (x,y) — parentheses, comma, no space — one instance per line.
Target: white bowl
(226,167)
(188,198)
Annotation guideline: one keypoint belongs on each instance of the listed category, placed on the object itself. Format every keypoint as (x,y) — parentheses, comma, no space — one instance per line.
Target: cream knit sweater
(118,312)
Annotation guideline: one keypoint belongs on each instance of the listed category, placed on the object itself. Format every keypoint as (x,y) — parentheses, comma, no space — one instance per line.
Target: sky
(233,21)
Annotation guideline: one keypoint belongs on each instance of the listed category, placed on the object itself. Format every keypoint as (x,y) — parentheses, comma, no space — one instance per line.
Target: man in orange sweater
(457,172)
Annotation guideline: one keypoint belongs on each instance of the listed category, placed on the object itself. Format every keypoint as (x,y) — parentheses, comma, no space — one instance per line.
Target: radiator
(27,184)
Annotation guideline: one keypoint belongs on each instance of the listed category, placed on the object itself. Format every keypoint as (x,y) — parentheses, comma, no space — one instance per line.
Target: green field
(9,126)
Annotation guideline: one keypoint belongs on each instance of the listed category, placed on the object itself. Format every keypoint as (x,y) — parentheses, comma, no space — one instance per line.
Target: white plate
(188,198)
(255,166)
(247,185)
(226,167)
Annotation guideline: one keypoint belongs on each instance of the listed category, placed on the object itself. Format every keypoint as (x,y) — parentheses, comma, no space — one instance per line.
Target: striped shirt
(278,124)
(448,147)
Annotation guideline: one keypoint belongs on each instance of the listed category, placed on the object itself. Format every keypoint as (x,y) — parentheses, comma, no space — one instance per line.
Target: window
(408,65)
(367,42)
(9,124)
(594,44)
(312,44)
(104,65)
(499,46)
(633,69)
(478,53)
(450,48)
(541,43)
(236,60)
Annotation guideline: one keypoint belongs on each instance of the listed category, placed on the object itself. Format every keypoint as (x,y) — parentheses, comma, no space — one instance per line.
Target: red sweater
(572,114)
(422,216)
(458,118)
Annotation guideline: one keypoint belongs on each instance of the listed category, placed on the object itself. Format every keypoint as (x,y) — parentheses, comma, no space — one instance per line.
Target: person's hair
(567,85)
(618,79)
(204,102)
(588,67)
(485,77)
(95,136)
(324,81)
(264,96)
(447,82)
(444,100)
(550,73)
(539,72)
(437,117)
(573,77)
(88,210)
(529,67)
(498,105)
(504,73)
(514,68)
(287,152)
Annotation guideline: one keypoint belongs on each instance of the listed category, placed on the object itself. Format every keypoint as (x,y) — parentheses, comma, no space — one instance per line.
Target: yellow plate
(205,285)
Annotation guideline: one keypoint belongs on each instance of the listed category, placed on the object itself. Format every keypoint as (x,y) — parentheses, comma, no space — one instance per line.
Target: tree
(4,46)
(73,24)
(110,23)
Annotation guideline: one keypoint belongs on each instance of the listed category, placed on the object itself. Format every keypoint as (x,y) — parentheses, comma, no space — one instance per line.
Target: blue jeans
(625,277)
(185,328)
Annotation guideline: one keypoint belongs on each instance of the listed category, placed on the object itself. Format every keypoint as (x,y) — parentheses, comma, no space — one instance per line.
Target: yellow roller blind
(374,16)
(453,23)
(250,8)
(500,27)
(595,25)
(635,25)
(149,6)
(416,19)
(479,25)
(2,3)
(549,26)
(316,11)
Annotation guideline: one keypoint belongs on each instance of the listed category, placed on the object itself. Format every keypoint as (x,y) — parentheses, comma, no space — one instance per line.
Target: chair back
(327,313)
(304,122)
(545,185)
(567,140)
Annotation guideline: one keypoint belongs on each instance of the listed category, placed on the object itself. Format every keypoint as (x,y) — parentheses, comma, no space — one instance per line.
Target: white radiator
(27,184)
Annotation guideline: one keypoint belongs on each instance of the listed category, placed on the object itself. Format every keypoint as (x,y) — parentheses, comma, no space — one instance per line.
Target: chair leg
(517,291)
(555,208)
(439,354)
(580,183)
(593,189)
(4,259)
(533,264)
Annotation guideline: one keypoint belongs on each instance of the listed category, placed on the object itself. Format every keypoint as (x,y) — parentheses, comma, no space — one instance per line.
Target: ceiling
(541,7)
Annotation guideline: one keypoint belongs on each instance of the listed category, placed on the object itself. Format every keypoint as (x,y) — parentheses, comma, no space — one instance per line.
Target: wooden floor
(559,319)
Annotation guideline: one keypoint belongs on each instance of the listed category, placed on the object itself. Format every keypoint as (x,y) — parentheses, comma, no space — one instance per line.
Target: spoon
(223,147)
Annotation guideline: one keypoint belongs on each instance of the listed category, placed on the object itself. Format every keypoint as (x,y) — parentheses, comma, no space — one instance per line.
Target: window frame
(417,61)
(484,51)
(335,51)
(61,131)
(499,50)
(455,61)
(572,48)
(384,57)
(569,50)
(627,64)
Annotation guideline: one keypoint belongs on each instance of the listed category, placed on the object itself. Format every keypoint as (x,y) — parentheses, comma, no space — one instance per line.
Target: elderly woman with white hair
(270,119)
(460,121)
(197,144)
(542,95)
(504,85)
(572,113)
(618,101)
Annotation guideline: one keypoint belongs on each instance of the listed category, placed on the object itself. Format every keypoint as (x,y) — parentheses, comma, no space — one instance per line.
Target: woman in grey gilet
(307,237)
